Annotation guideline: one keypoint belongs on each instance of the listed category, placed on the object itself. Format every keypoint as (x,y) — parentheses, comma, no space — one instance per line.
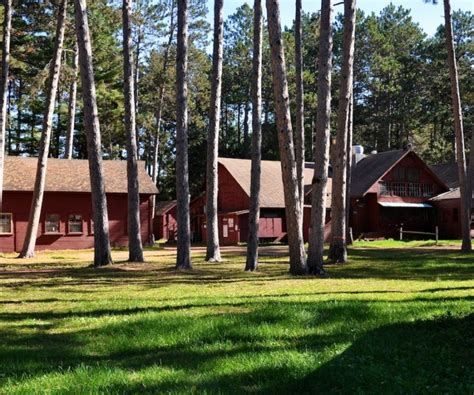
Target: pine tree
(135,249)
(102,254)
(285,140)
(338,247)
(321,143)
(254,209)
(183,257)
(29,243)
(7,23)
(213,253)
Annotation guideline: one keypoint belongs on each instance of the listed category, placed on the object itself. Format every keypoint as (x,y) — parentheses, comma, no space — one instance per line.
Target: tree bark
(338,247)
(350,127)
(183,257)
(285,141)
(7,22)
(29,243)
(299,132)
(72,107)
(465,182)
(321,143)
(254,209)
(213,253)
(135,249)
(102,254)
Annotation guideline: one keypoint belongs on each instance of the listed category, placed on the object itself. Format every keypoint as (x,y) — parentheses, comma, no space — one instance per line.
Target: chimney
(357,154)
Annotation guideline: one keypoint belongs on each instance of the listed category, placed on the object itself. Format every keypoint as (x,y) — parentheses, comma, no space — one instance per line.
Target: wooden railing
(409,189)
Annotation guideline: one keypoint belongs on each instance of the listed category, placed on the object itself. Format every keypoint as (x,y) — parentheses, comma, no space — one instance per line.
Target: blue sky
(429,16)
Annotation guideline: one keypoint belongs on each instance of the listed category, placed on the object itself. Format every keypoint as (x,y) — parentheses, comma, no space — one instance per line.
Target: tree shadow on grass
(424,356)
(435,356)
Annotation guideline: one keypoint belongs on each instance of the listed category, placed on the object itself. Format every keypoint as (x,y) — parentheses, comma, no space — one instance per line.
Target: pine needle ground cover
(394,320)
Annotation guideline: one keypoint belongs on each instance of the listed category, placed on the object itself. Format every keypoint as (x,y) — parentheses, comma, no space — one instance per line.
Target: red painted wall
(66,204)
(450,224)
(165,226)
(231,196)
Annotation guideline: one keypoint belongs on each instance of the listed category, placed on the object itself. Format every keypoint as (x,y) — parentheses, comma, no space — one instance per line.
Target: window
(51,223)
(455,215)
(6,224)
(75,224)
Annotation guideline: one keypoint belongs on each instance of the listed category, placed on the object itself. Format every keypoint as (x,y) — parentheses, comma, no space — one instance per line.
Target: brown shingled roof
(370,169)
(448,172)
(271,192)
(164,206)
(71,175)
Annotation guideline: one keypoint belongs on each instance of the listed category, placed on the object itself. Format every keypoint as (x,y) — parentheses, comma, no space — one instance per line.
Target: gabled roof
(64,175)
(165,206)
(271,185)
(373,167)
(448,172)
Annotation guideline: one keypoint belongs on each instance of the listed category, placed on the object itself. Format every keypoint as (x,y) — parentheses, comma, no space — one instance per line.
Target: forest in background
(401,83)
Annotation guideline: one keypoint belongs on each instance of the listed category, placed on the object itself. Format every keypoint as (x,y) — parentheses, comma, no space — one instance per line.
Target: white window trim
(69,232)
(11,225)
(59,225)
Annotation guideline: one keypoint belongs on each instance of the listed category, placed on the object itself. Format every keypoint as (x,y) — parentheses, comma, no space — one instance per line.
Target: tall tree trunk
(7,22)
(72,107)
(256,88)
(321,143)
(19,115)
(57,136)
(213,253)
(350,127)
(136,78)
(299,132)
(338,250)
(135,249)
(94,147)
(465,183)
(159,110)
(29,243)
(183,257)
(245,150)
(285,141)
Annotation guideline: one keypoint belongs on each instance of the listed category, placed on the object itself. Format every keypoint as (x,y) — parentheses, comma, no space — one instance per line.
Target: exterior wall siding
(66,204)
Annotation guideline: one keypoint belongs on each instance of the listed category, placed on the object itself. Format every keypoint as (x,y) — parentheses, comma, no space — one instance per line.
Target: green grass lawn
(391,321)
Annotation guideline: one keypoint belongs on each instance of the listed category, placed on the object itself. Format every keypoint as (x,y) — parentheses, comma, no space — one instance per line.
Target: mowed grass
(393,320)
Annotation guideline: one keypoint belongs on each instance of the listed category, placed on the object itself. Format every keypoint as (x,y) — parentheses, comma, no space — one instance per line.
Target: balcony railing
(409,189)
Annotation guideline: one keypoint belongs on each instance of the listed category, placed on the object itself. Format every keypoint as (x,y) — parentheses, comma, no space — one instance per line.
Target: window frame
(69,232)
(11,225)
(46,232)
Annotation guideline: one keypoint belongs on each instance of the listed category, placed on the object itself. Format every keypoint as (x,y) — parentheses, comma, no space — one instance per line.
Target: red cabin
(233,203)
(393,189)
(66,216)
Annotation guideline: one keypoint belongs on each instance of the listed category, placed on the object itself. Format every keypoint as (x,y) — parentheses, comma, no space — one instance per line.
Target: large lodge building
(389,190)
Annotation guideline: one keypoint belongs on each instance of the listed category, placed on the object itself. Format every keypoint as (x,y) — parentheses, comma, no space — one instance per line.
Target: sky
(429,16)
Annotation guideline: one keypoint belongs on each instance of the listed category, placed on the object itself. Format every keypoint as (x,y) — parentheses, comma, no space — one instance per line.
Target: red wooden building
(165,224)
(66,216)
(448,205)
(233,203)
(393,189)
